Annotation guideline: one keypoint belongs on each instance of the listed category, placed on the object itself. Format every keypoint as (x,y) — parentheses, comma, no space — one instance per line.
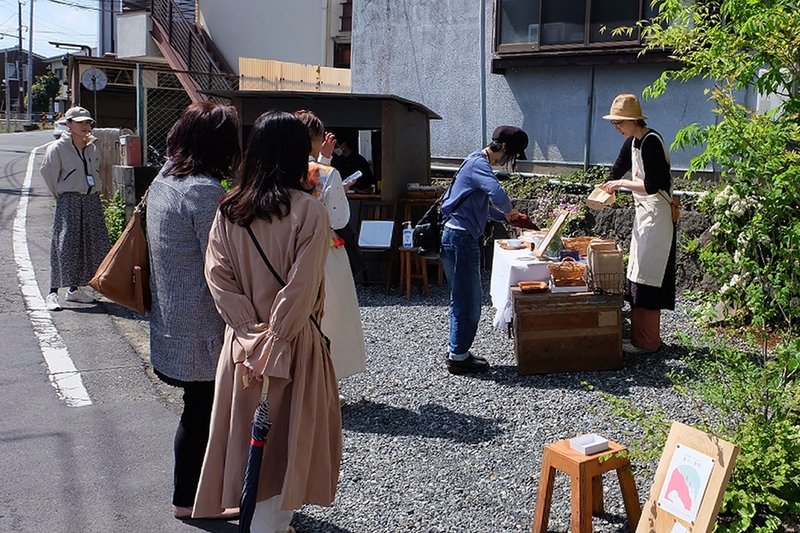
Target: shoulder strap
(280,279)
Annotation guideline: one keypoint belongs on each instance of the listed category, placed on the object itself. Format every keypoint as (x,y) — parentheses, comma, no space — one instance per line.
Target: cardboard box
(589,444)
(567,332)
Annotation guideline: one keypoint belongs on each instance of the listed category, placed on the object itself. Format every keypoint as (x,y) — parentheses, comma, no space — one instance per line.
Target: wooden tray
(533,286)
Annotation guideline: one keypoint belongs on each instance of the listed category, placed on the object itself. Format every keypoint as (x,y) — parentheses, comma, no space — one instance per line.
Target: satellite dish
(94,79)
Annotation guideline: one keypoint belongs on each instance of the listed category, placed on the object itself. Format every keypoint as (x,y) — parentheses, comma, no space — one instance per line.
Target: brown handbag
(124,275)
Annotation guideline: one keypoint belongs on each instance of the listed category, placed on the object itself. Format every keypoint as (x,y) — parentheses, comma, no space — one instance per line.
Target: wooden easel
(656,519)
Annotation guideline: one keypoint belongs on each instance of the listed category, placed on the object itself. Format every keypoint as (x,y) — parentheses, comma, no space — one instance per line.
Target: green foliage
(741,44)
(226,184)
(752,399)
(114,212)
(551,195)
(44,89)
(755,402)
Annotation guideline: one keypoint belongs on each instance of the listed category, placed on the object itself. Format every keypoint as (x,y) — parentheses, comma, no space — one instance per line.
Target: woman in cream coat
(341,321)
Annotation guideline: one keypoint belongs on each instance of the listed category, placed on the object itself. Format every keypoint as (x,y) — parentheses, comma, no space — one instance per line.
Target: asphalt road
(103,467)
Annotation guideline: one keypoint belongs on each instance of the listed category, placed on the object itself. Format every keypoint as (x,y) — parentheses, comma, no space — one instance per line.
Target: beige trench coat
(269,327)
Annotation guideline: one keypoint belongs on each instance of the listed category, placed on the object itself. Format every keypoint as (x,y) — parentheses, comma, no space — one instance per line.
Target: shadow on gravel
(308,524)
(432,420)
(649,370)
(213,526)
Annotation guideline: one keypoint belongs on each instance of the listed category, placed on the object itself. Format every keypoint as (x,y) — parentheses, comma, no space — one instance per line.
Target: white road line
(62,372)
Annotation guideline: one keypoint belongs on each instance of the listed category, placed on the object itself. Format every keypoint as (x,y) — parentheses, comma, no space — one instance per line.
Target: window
(543,25)
(341,55)
(347,16)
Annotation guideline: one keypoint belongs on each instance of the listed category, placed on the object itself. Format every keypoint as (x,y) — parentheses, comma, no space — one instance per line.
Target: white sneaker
(79,295)
(629,348)
(51,301)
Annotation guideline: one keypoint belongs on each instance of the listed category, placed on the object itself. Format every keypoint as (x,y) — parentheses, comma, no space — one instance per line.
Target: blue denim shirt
(479,185)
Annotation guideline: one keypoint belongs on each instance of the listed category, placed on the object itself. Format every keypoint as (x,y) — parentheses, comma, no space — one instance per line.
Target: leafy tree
(44,89)
(754,244)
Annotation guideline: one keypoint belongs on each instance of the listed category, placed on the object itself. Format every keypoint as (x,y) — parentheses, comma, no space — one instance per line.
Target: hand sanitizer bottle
(408,235)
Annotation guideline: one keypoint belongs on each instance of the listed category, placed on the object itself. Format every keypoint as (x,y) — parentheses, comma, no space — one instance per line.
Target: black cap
(514,138)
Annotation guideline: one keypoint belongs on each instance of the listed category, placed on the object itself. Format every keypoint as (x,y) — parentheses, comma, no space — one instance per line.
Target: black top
(346,165)
(656,167)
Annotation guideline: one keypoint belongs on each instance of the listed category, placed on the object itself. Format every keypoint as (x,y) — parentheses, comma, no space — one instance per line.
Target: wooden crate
(567,332)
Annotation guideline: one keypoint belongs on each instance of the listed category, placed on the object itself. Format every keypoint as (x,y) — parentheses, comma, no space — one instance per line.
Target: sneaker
(79,295)
(51,301)
(628,347)
(470,365)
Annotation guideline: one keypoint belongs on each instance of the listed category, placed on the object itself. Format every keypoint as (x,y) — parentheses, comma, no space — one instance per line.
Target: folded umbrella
(261,425)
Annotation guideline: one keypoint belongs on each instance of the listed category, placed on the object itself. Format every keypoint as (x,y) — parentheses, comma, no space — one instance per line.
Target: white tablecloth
(509,267)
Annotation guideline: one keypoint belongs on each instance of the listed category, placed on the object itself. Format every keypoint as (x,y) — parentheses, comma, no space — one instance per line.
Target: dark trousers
(191,438)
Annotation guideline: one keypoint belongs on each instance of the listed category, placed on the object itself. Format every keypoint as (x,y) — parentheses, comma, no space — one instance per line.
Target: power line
(80,6)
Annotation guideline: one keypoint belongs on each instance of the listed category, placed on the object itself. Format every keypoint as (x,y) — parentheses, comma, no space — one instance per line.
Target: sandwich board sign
(689,484)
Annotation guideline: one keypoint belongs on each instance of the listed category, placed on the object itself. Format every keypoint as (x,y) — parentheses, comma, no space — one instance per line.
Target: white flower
(714,229)
(725,289)
(742,239)
(737,256)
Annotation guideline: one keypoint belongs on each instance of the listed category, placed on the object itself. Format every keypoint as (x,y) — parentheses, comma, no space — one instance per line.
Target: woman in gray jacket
(185,329)
(70,169)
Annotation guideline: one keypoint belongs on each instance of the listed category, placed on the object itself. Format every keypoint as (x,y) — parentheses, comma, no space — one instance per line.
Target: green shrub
(114,212)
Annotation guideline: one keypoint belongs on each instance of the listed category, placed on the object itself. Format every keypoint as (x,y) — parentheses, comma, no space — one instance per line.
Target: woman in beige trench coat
(269,335)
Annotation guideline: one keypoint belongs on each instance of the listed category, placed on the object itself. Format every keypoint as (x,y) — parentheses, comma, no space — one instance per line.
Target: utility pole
(30,67)
(19,55)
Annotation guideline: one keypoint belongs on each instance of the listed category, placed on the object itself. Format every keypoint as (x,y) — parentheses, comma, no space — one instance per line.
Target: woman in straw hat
(651,267)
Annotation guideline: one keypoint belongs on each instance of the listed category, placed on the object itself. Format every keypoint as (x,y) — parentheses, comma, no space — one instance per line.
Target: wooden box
(574,332)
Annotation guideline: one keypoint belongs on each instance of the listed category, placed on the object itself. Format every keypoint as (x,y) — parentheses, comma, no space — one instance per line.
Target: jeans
(461,259)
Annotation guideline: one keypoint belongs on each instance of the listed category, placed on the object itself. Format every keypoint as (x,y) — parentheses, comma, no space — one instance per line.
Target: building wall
(429,51)
(293,31)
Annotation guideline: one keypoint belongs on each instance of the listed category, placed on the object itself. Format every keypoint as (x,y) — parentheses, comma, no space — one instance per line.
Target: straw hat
(625,107)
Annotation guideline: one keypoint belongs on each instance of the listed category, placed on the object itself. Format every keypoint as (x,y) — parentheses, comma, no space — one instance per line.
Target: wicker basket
(578,244)
(567,273)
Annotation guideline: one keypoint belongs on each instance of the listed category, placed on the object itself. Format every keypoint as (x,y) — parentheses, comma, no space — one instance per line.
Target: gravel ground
(428,451)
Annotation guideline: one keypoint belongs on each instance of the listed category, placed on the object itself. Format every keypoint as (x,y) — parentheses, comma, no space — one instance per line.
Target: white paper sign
(376,234)
(678,528)
(685,483)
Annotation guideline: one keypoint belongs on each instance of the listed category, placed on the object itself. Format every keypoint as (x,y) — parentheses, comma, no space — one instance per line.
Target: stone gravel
(428,451)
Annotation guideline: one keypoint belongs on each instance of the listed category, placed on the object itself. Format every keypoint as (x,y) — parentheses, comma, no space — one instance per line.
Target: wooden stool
(437,260)
(412,266)
(586,481)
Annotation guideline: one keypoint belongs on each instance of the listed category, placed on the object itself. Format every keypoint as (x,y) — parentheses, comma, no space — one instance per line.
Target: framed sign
(691,478)
(551,234)
(376,234)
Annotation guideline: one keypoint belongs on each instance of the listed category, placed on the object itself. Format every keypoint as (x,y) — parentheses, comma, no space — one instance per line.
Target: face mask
(337,151)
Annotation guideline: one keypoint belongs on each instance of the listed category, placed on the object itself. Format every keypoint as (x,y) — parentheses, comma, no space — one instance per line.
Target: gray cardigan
(185,328)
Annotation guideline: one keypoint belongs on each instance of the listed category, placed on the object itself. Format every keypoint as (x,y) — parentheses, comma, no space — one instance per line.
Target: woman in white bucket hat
(650,276)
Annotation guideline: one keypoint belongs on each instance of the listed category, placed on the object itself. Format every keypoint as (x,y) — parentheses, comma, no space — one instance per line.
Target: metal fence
(163,105)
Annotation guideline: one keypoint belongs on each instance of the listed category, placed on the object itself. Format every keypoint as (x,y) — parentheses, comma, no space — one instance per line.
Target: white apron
(651,238)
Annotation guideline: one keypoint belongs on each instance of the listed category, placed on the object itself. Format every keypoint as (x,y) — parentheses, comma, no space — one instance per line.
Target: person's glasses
(617,122)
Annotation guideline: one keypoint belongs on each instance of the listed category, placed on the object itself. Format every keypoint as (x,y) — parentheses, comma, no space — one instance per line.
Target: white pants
(270,518)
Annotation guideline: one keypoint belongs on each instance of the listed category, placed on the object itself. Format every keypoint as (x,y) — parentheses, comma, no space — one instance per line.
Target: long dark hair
(276,161)
(204,140)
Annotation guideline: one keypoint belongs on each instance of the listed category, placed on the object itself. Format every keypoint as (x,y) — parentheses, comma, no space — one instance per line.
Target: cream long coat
(269,326)
(342,319)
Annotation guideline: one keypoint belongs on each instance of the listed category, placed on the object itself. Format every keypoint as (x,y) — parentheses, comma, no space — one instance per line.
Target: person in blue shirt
(474,197)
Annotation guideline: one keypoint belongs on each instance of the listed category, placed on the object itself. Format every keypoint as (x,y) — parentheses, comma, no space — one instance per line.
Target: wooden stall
(398,131)
(400,128)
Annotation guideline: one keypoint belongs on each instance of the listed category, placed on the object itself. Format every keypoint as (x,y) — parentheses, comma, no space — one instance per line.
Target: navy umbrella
(261,425)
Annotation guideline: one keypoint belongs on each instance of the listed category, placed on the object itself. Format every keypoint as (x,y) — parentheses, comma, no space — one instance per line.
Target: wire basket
(610,283)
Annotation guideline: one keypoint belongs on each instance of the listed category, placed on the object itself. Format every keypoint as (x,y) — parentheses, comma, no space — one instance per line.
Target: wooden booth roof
(315,95)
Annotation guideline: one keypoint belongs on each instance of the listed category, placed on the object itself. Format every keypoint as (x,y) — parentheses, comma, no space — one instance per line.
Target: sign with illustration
(686,481)
(689,483)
